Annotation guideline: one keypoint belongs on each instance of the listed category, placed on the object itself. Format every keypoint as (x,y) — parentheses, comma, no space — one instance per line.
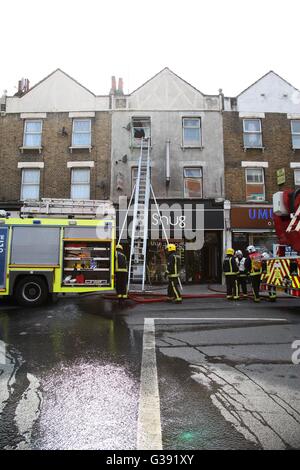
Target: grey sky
(212,44)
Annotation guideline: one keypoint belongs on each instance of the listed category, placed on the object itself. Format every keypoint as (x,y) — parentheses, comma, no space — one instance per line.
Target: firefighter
(254,267)
(231,272)
(173,271)
(121,270)
(242,278)
(271,289)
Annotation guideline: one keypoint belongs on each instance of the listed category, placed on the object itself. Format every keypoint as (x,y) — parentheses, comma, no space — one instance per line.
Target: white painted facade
(270,94)
(166,99)
(57,93)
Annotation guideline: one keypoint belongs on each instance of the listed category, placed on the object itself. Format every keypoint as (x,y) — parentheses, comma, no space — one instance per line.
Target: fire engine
(41,255)
(283,271)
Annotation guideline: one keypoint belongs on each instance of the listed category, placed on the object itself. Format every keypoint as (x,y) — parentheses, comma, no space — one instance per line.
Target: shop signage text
(252,217)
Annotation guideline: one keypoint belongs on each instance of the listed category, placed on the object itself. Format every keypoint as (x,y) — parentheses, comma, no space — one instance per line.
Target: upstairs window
(297,177)
(255,184)
(80,183)
(191,132)
(295,128)
(141,129)
(192,178)
(252,133)
(81,135)
(32,134)
(30,185)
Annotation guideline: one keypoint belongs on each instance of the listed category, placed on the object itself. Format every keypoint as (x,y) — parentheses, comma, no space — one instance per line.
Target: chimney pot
(113,84)
(120,85)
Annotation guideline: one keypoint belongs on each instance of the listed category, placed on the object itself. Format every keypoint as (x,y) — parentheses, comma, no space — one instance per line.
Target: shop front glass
(197,266)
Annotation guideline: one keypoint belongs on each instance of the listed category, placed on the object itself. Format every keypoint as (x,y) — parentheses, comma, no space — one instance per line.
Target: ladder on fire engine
(49,207)
(294,224)
(139,234)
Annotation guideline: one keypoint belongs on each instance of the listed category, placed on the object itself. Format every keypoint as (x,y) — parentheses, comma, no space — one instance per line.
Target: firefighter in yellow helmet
(173,272)
(231,272)
(121,270)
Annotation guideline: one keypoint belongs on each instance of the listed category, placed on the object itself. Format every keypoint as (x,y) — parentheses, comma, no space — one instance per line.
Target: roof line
(270,71)
(52,73)
(173,73)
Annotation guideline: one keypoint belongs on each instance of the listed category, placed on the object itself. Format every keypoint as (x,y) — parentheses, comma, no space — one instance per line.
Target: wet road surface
(72,375)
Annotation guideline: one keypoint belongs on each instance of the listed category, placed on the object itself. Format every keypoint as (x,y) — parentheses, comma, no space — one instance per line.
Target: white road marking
(149,424)
(222,319)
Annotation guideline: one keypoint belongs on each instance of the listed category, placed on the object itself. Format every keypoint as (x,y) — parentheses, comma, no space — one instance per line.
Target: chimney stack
(23,86)
(113,85)
(120,86)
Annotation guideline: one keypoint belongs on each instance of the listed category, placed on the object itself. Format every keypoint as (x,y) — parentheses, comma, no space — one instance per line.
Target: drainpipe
(168,143)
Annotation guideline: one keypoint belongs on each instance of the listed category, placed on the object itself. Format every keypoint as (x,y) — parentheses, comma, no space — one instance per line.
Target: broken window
(141,128)
(193,186)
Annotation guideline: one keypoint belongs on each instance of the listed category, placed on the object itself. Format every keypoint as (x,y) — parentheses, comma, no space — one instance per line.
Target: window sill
(254,148)
(188,147)
(22,149)
(294,149)
(81,147)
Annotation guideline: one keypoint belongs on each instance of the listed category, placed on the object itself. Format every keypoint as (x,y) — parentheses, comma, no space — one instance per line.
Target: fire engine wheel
(31,291)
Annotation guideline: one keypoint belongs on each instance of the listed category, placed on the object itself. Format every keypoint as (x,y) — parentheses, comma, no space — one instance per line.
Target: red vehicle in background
(283,270)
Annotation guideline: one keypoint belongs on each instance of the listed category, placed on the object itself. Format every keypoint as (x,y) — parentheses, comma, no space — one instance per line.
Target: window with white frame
(80,183)
(255,184)
(297,177)
(81,134)
(140,128)
(295,128)
(252,133)
(32,134)
(30,184)
(191,132)
(193,184)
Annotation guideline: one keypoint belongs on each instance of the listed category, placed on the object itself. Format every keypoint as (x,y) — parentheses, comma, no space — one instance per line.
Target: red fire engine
(283,271)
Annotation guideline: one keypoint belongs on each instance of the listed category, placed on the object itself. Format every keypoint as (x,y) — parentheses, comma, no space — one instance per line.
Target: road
(207,374)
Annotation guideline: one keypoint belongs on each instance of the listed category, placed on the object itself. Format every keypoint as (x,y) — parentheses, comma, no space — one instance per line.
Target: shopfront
(196,227)
(253,225)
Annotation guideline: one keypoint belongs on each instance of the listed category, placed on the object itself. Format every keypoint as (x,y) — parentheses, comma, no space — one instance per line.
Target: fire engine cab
(283,271)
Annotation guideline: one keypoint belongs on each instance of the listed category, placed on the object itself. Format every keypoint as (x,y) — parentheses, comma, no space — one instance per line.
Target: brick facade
(55,181)
(278,153)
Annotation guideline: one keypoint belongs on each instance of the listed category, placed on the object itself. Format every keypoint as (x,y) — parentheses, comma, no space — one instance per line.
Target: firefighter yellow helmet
(230,251)
(171,247)
(119,247)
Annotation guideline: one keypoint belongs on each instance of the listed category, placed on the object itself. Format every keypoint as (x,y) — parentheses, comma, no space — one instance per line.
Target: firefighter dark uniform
(254,267)
(121,270)
(231,272)
(173,271)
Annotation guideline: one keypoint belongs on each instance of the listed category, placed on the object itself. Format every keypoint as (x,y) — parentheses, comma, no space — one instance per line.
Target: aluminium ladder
(139,233)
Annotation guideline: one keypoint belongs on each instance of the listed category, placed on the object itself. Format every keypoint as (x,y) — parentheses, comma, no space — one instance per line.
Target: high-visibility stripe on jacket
(121,263)
(253,264)
(230,267)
